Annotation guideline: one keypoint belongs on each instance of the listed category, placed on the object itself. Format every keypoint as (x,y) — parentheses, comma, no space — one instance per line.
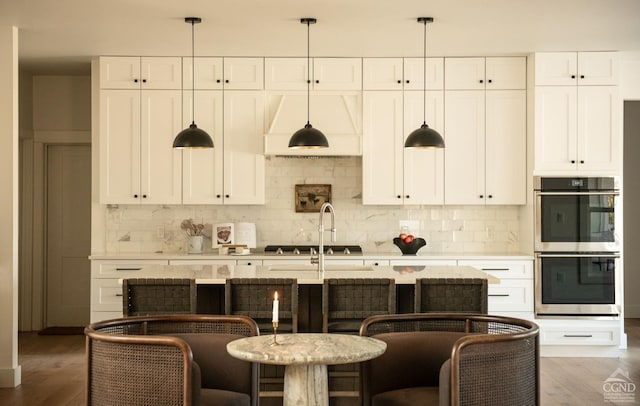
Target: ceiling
(60,37)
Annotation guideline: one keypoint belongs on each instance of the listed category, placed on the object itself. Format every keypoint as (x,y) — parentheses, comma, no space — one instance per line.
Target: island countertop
(217,274)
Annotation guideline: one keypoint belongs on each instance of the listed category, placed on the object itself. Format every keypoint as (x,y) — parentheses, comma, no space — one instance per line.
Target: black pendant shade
(424,137)
(308,137)
(193,137)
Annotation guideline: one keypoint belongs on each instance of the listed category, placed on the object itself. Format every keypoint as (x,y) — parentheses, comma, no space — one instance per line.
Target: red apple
(402,236)
(408,239)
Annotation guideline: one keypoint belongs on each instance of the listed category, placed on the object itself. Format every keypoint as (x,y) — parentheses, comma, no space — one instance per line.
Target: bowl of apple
(408,244)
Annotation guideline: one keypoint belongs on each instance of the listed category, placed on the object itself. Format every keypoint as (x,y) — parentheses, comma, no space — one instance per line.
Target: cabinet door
(555,128)
(597,68)
(414,73)
(118,72)
(244,164)
(506,146)
(505,73)
(382,73)
(423,168)
(464,73)
(598,115)
(555,68)
(382,155)
(202,168)
(285,73)
(243,73)
(337,73)
(160,163)
(208,73)
(161,72)
(119,146)
(464,151)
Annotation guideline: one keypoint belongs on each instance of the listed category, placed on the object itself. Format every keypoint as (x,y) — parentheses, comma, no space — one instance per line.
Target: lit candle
(276,306)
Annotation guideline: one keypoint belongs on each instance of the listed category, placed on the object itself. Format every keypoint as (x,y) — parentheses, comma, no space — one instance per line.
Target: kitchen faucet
(319,259)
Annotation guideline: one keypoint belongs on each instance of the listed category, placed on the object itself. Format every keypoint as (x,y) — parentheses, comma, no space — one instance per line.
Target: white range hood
(337,114)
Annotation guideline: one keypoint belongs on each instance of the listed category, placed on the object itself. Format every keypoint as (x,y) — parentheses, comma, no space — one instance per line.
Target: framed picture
(309,198)
(222,234)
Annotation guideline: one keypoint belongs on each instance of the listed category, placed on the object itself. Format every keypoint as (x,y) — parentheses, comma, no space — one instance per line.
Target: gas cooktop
(302,249)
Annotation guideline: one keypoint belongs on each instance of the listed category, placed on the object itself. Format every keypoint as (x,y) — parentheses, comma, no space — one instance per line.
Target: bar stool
(451,295)
(144,297)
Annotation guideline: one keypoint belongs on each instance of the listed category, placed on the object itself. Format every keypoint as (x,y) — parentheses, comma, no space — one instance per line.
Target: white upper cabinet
(493,73)
(576,68)
(326,74)
(576,114)
(402,74)
(225,73)
(140,72)
(391,174)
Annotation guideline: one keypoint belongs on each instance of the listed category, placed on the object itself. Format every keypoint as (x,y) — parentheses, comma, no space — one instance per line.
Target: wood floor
(53,373)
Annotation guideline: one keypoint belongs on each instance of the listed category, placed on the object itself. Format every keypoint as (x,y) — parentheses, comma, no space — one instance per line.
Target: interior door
(68,214)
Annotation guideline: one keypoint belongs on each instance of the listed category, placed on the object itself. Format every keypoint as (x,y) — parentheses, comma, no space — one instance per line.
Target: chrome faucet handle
(330,251)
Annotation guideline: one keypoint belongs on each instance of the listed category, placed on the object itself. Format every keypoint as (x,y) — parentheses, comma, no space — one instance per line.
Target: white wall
(9,369)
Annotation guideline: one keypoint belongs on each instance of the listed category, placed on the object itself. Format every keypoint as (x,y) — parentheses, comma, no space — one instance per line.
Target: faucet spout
(321,229)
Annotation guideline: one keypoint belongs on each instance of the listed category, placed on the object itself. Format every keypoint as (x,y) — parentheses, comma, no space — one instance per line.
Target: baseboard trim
(11,378)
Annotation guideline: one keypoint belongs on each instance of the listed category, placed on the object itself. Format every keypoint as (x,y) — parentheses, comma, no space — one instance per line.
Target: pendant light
(308,137)
(193,137)
(424,137)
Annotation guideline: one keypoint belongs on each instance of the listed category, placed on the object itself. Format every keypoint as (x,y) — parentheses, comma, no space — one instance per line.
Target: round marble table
(306,356)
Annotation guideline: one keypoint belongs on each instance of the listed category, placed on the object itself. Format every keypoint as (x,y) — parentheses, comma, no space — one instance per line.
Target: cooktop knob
(296,251)
(279,251)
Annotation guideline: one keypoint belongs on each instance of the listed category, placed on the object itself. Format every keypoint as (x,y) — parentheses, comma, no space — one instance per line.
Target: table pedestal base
(306,385)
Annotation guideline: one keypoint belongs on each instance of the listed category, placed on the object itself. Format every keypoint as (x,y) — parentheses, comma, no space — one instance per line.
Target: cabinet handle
(481,81)
(495,269)
(248,263)
(227,196)
(581,76)
(399,197)
(407,196)
(408,81)
(499,295)
(577,335)
(399,81)
(144,80)
(119,294)
(317,81)
(136,196)
(218,80)
(489,81)
(218,196)
(375,264)
(582,161)
(308,81)
(573,161)
(490,196)
(135,80)
(226,81)
(481,196)
(128,269)
(144,196)
(573,76)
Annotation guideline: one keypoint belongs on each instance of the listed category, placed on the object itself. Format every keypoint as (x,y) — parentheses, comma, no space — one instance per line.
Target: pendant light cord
(308,70)
(193,77)
(424,84)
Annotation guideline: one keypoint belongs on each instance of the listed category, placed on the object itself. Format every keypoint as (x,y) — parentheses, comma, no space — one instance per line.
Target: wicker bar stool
(451,295)
(452,359)
(169,360)
(144,297)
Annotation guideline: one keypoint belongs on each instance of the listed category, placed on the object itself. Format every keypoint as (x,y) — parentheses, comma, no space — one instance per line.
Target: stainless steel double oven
(577,246)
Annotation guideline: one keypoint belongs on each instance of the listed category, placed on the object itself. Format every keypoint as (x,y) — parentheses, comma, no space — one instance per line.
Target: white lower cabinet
(579,338)
(106,288)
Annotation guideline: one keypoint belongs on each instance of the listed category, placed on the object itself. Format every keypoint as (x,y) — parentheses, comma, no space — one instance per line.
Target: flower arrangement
(191,228)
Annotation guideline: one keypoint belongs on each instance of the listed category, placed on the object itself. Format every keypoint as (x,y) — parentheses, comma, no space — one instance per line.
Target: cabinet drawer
(106,295)
(580,336)
(511,295)
(503,269)
(122,269)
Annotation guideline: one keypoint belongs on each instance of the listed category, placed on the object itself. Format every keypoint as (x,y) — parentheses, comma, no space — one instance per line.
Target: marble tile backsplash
(447,229)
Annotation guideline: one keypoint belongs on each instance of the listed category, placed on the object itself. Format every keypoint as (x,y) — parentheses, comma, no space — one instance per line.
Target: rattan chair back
(144,297)
(449,295)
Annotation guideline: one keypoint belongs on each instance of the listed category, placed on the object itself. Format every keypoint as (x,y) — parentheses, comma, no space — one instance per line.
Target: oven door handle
(615,193)
(594,255)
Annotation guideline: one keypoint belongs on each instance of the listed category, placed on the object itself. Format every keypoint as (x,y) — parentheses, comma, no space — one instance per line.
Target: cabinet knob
(399,81)
(489,81)
(399,197)
(581,76)
(490,196)
(582,161)
(481,196)
(226,81)
(144,80)
(248,263)
(375,264)
(573,76)
(135,196)
(408,81)
(218,80)
(135,80)
(481,81)
(573,161)
(218,196)
(144,196)
(407,196)
(227,196)
(317,81)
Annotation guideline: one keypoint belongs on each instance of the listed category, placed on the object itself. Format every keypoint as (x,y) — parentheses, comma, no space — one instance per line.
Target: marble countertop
(306,274)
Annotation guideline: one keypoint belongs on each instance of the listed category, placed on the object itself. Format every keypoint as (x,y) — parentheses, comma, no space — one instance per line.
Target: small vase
(195,244)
